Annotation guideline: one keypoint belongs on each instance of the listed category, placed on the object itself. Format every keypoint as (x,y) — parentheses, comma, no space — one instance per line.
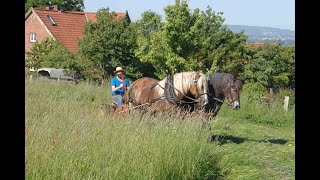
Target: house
(65,26)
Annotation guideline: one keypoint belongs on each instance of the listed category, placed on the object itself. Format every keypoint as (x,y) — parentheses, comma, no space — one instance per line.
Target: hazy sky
(270,13)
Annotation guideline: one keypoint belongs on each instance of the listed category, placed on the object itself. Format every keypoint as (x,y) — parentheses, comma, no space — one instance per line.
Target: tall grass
(257,141)
(67,139)
(262,108)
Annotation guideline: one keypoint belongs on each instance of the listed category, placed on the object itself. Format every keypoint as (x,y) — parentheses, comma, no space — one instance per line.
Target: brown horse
(186,90)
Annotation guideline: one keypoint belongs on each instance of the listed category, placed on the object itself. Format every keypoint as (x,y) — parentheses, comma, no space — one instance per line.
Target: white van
(53,73)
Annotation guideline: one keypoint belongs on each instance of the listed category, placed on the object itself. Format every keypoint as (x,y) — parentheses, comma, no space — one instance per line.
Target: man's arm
(113,88)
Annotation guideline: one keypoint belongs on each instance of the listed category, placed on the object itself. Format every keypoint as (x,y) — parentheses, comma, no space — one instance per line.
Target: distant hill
(265,34)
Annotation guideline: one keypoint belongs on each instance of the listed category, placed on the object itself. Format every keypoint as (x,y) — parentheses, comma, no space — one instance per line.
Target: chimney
(55,7)
(47,8)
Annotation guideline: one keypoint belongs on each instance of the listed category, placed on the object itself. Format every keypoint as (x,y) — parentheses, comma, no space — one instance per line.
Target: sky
(268,13)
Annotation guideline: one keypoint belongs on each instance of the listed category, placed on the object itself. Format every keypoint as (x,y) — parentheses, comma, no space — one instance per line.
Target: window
(51,20)
(33,37)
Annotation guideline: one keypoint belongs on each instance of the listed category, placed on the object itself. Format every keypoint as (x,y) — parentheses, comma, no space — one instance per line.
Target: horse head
(231,92)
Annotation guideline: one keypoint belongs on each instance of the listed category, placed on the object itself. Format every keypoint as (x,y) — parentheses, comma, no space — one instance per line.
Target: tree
(180,30)
(51,53)
(145,27)
(192,41)
(149,23)
(72,5)
(65,5)
(272,66)
(169,46)
(110,42)
(220,49)
(39,50)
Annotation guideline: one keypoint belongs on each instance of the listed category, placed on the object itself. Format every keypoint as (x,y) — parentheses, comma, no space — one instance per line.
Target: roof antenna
(49,4)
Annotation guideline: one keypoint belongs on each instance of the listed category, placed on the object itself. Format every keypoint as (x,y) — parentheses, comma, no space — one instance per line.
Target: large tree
(169,46)
(110,42)
(219,48)
(65,5)
(191,40)
(146,26)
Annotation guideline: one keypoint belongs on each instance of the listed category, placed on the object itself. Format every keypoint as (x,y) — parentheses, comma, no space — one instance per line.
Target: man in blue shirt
(119,86)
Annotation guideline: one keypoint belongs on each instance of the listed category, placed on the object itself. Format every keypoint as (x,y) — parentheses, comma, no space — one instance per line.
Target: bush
(253,91)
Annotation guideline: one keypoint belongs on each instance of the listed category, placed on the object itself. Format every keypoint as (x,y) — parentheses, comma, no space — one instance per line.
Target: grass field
(67,138)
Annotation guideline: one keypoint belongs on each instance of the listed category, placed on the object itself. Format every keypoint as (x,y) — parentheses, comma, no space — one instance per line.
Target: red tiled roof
(119,15)
(91,17)
(261,45)
(69,25)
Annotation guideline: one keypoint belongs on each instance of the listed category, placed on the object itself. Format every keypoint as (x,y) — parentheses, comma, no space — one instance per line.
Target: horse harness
(169,93)
(171,96)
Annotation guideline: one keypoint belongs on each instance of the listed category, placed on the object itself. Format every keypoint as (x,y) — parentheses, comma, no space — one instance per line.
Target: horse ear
(238,82)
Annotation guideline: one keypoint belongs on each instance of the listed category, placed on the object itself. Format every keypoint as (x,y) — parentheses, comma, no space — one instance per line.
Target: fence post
(59,79)
(286,103)
(271,91)
(30,79)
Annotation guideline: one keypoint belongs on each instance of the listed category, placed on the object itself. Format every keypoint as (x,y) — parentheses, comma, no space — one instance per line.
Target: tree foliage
(180,29)
(272,66)
(110,42)
(186,40)
(221,49)
(145,27)
(65,5)
(52,54)
(191,40)
(35,57)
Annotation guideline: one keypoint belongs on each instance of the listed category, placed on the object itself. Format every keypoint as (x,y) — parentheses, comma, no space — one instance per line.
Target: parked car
(54,73)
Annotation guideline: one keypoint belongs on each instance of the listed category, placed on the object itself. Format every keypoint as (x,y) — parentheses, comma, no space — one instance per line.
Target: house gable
(67,27)
(33,24)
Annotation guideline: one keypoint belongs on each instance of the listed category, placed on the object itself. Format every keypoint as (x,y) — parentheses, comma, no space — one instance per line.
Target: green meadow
(67,136)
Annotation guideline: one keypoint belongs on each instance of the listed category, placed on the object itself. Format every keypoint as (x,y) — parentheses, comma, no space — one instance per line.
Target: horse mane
(181,81)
